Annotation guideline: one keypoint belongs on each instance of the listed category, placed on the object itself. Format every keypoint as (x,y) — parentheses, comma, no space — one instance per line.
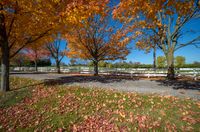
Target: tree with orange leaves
(25,22)
(160,20)
(98,40)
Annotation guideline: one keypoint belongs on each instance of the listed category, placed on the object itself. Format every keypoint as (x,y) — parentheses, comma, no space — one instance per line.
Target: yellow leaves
(95,39)
(152,102)
(77,11)
(31,20)
(122,114)
(138,43)
(185,112)
(57,1)
(124,99)
(137,33)
(124,42)
(159,24)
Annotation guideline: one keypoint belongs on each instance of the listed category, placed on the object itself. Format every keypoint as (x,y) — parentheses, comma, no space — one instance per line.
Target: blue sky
(191,53)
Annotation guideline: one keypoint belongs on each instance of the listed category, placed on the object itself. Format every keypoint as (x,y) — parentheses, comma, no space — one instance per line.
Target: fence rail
(149,72)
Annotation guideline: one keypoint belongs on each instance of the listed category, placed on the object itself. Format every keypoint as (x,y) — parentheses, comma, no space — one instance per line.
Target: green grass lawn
(40,107)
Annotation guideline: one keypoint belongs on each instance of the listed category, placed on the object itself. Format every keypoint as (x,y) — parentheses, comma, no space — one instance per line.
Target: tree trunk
(4,55)
(170,73)
(58,67)
(36,66)
(170,66)
(5,68)
(154,57)
(96,71)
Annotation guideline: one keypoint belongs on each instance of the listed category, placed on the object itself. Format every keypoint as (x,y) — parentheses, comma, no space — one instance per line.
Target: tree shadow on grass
(16,95)
(180,84)
(26,86)
(87,79)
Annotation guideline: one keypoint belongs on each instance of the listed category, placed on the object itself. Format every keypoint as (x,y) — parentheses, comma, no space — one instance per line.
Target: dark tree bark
(170,73)
(154,57)
(5,68)
(58,66)
(96,68)
(6,46)
(5,55)
(170,65)
(36,66)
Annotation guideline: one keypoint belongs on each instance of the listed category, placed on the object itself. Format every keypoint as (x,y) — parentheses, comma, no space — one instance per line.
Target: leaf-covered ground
(62,108)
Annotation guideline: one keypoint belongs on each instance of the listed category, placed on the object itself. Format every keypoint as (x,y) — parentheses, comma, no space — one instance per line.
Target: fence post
(195,74)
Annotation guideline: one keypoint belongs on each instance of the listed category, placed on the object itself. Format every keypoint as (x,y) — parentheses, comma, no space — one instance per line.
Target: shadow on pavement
(180,84)
(85,79)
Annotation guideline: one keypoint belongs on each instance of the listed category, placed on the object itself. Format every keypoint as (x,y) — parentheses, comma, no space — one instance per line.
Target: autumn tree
(56,51)
(161,61)
(109,65)
(36,53)
(102,64)
(97,40)
(162,19)
(24,22)
(72,61)
(179,61)
(19,60)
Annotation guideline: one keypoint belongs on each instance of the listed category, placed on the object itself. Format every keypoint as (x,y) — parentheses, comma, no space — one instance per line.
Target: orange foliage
(152,15)
(27,21)
(97,40)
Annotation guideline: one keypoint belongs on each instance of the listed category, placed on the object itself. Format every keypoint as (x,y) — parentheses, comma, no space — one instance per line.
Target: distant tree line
(41,63)
(180,62)
(160,62)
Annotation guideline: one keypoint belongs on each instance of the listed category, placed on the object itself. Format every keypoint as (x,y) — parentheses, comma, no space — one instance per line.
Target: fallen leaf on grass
(96,123)
(162,112)
(189,119)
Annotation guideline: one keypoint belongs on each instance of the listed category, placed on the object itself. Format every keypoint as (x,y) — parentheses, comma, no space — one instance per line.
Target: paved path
(175,88)
(39,76)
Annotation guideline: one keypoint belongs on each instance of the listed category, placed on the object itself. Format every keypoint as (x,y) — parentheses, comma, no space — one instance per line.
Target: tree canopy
(161,22)
(98,40)
(26,22)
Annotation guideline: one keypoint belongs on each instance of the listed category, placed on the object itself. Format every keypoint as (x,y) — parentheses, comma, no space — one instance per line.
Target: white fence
(194,72)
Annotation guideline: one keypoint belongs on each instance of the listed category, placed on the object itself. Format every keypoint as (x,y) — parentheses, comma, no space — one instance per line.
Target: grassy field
(32,105)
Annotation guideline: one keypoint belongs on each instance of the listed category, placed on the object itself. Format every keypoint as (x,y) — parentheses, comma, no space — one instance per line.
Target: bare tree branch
(30,40)
(192,42)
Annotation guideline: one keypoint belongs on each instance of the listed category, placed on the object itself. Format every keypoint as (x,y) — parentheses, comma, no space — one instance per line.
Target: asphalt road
(183,89)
